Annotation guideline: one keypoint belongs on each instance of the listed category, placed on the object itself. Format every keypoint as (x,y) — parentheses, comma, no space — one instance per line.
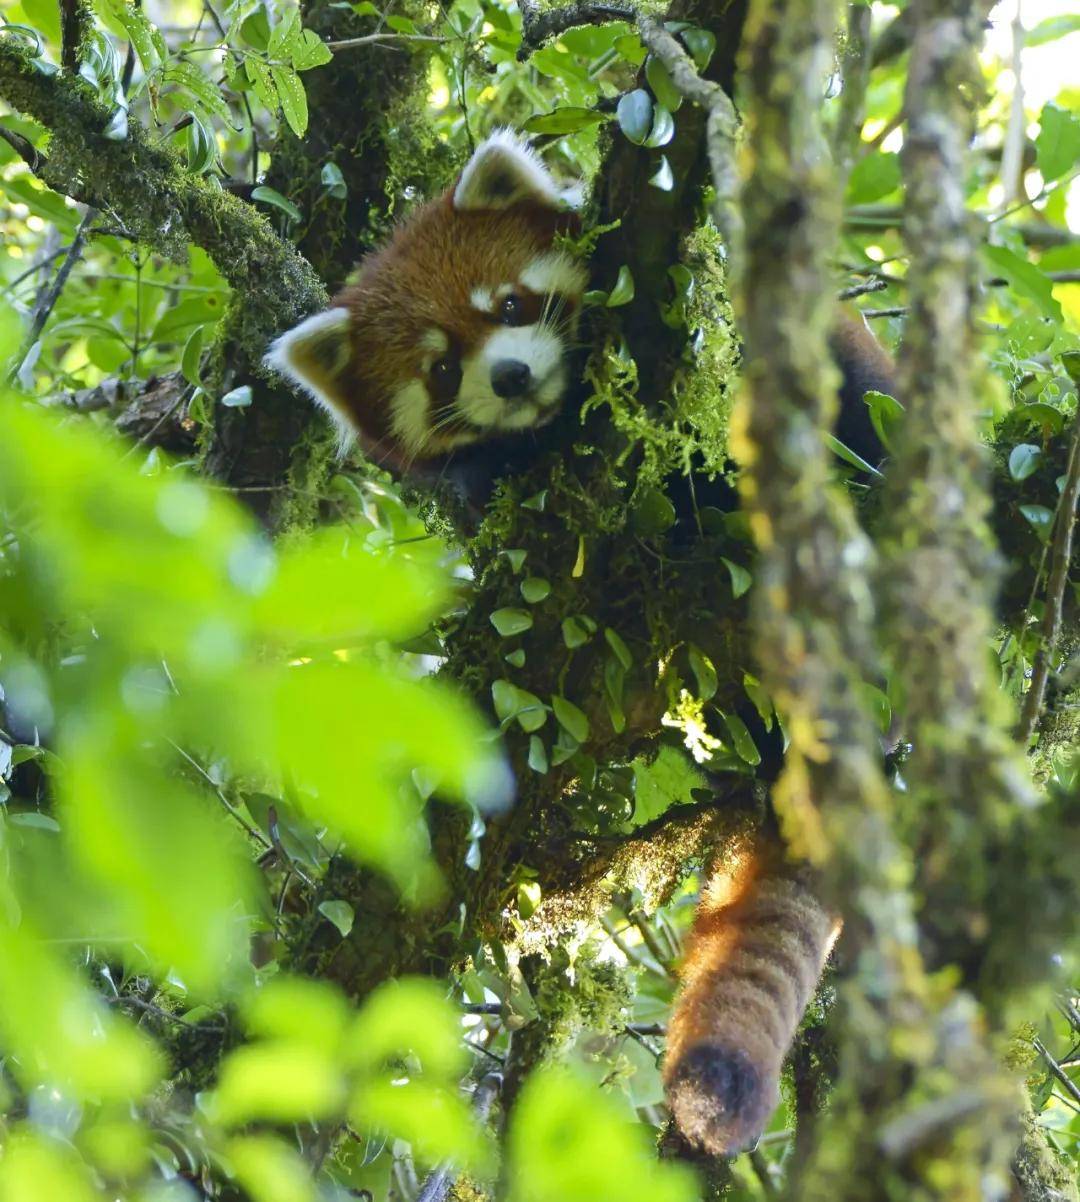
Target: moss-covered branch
(941,564)
(145,190)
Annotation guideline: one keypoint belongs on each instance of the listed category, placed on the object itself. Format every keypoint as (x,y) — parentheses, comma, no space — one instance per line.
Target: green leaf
(535,589)
(191,360)
(652,512)
(886,416)
(704,673)
(284,35)
(255,29)
(566,120)
(845,453)
(271,196)
(660,82)
(572,1143)
(740,577)
(1058,142)
(333,181)
(662,178)
(538,757)
(1041,518)
(199,87)
(570,718)
(277,1081)
(873,177)
(143,35)
(741,739)
(292,96)
(1025,278)
(509,621)
(1050,29)
(759,696)
(701,44)
(262,81)
(269,1169)
(1048,420)
(575,632)
(663,129)
(340,913)
(623,292)
(237,398)
(401,24)
(634,115)
(1024,460)
(310,51)
(622,651)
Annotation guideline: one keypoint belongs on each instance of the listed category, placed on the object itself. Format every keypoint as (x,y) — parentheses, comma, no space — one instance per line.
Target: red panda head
(456,332)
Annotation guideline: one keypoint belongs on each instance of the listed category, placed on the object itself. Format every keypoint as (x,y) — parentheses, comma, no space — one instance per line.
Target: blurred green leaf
(570,1143)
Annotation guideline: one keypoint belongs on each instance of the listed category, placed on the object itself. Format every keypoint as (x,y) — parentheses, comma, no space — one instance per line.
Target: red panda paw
(720,1098)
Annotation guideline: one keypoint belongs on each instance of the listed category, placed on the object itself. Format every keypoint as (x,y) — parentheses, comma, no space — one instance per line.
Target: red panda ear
(503,171)
(316,355)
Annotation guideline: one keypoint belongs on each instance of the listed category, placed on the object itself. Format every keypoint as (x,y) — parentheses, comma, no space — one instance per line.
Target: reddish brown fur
(759,943)
(423,280)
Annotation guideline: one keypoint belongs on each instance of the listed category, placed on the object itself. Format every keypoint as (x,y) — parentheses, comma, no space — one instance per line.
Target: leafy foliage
(201,726)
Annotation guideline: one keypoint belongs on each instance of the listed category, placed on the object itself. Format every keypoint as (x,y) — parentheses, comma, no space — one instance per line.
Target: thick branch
(942,565)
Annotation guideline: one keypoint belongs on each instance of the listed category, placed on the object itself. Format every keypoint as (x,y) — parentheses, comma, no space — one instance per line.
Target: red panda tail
(759,944)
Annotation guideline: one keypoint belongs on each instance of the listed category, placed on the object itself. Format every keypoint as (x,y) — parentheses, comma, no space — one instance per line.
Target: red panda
(457,334)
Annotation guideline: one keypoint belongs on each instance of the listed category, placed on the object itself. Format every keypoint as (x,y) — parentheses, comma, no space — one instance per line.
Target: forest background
(349,837)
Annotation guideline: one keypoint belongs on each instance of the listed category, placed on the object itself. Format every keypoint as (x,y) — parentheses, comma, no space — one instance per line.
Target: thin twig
(25,275)
(721,128)
(438,1184)
(872,285)
(369,38)
(48,301)
(24,148)
(1063,1078)
(253,831)
(1012,154)
(1050,627)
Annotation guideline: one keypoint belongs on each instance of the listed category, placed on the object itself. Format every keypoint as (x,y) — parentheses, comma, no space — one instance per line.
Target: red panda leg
(759,944)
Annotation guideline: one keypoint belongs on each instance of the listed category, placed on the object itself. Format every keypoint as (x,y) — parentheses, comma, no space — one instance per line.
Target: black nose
(510,378)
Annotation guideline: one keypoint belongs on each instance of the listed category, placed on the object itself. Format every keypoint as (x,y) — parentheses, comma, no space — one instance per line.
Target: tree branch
(49,298)
(540,25)
(76,21)
(1050,627)
(146,190)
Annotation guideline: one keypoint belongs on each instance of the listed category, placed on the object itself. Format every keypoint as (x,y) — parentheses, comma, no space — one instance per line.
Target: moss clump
(688,430)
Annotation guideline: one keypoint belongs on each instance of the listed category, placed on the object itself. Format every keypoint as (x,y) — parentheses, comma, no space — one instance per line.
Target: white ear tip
(285,355)
(503,170)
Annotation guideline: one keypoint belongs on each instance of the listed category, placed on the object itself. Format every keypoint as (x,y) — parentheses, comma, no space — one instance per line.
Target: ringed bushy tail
(759,944)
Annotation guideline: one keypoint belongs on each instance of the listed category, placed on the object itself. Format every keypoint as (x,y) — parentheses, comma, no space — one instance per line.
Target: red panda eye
(446,378)
(511,311)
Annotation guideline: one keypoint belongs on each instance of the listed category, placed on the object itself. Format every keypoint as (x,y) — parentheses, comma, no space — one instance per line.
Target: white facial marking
(435,341)
(409,415)
(557,272)
(482,300)
(312,355)
(542,352)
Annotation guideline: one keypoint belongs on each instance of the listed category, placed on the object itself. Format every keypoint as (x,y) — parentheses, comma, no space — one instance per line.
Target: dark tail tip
(720,1098)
